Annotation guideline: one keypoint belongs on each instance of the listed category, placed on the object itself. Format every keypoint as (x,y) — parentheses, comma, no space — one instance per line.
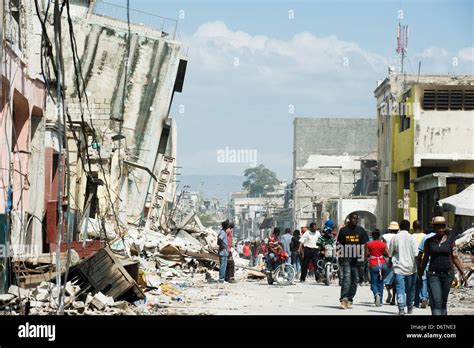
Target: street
(258,298)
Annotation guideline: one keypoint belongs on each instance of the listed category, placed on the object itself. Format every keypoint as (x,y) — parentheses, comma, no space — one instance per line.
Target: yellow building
(429,144)
(432,143)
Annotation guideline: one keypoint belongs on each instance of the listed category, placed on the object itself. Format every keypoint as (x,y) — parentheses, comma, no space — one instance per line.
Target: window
(402,111)
(454,99)
(406,180)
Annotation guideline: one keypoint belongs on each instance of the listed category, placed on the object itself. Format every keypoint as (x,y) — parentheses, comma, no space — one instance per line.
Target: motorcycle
(328,264)
(278,270)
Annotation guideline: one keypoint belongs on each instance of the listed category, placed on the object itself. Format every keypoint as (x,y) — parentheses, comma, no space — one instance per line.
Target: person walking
(294,246)
(352,240)
(286,242)
(440,250)
(389,281)
(230,269)
(308,250)
(223,253)
(240,248)
(376,250)
(403,250)
(421,291)
(254,252)
(246,251)
(424,291)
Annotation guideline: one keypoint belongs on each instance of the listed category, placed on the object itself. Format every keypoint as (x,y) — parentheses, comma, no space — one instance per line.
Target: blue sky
(323,62)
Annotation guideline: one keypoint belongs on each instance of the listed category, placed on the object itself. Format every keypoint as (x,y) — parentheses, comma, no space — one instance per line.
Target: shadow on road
(381,312)
(333,307)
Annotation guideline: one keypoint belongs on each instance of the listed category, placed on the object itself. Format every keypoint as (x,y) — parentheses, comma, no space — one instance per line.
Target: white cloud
(214,46)
(467,53)
(431,52)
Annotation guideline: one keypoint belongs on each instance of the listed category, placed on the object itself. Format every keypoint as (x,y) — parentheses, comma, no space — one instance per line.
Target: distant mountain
(213,186)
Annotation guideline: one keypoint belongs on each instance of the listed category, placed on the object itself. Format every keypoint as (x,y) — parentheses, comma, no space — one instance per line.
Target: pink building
(22,161)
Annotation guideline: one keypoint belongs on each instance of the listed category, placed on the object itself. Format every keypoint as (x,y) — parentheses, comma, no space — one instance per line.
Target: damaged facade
(114,159)
(425,150)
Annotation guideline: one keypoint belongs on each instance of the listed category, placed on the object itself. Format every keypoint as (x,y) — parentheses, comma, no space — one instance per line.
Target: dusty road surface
(258,298)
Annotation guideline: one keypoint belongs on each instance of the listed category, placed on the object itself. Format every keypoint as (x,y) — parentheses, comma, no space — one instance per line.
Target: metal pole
(339,213)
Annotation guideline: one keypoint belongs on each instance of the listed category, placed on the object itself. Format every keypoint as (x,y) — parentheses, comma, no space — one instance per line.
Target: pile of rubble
(142,272)
(43,300)
(461,301)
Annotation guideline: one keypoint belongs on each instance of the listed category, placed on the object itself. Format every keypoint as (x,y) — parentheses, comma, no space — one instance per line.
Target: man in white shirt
(309,251)
(403,248)
(389,280)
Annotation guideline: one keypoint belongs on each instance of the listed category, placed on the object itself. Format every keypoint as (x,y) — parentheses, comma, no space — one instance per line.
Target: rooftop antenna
(419,68)
(402,44)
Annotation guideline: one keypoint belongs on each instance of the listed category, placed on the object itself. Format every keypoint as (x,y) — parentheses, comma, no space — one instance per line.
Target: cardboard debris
(255,275)
(170,250)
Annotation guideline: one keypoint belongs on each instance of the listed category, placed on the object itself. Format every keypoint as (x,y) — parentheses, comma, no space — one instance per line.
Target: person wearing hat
(440,250)
(403,250)
(389,280)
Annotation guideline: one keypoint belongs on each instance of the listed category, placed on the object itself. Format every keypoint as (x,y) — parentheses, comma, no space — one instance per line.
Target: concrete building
(426,147)
(249,212)
(132,140)
(326,164)
(22,94)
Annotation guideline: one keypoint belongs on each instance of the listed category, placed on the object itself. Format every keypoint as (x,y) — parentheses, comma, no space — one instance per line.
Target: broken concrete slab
(79,306)
(100,301)
(46,285)
(42,295)
(17,291)
(5,298)
(189,240)
(69,289)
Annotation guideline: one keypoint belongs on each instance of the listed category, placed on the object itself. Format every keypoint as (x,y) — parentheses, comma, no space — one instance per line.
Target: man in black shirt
(352,241)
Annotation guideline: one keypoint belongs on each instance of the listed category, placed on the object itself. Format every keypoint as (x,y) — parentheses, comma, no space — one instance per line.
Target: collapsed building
(88,166)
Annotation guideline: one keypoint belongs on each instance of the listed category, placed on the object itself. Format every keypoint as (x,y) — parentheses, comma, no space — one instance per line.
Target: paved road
(257,297)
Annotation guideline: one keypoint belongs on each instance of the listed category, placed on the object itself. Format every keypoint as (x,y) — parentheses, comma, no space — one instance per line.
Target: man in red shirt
(377,249)
(274,248)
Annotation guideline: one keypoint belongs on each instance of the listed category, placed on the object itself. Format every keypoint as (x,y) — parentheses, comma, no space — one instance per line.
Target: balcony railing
(115,15)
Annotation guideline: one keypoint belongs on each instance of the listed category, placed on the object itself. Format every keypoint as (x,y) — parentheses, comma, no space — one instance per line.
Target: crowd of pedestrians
(415,267)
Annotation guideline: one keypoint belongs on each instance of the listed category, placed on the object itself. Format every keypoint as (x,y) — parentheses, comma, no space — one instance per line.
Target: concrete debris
(42,295)
(5,298)
(92,228)
(145,272)
(100,301)
(19,292)
(189,241)
(79,306)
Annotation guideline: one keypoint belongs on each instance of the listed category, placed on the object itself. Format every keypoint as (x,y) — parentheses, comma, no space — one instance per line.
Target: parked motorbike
(278,270)
(327,264)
